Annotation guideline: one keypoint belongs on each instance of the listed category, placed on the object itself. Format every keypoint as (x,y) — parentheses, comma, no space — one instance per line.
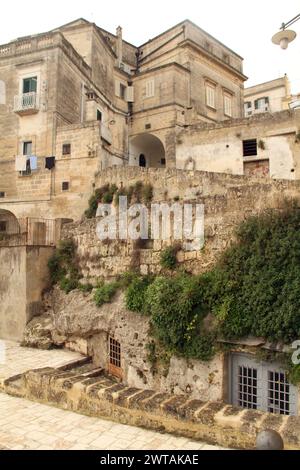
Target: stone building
(272,96)
(92,100)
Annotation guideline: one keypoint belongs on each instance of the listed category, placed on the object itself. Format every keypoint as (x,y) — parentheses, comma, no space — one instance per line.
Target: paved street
(17,360)
(28,425)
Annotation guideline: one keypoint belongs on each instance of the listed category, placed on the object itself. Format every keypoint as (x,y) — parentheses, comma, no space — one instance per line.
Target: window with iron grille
(261,386)
(250,148)
(2,194)
(247,387)
(65,186)
(114,353)
(278,393)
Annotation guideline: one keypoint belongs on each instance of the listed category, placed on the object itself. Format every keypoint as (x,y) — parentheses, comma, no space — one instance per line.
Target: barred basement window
(65,186)
(66,149)
(247,382)
(114,352)
(250,148)
(278,393)
(114,367)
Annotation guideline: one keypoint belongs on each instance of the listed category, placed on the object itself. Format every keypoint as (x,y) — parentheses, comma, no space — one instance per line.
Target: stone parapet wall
(89,392)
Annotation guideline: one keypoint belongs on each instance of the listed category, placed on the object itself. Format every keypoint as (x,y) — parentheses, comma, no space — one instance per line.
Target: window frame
(248,153)
(65,153)
(31,79)
(211,87)
(228,96)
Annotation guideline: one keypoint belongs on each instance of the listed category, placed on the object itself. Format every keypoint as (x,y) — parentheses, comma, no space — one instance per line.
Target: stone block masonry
(228,201)
(89,392)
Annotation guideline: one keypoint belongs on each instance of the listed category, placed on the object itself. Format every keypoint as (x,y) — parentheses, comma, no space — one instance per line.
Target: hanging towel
(21,162)
(33,162)
(50,163)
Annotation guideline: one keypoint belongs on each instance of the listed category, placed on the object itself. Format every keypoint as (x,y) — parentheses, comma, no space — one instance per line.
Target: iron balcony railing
(26,102)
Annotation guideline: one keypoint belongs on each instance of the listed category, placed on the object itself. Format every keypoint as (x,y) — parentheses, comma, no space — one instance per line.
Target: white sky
(244,26)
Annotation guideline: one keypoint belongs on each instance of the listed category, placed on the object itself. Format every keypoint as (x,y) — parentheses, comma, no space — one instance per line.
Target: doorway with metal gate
(261,386)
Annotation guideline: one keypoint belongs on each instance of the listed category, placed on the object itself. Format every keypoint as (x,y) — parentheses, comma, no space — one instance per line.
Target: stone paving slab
(26,425)
(18,360)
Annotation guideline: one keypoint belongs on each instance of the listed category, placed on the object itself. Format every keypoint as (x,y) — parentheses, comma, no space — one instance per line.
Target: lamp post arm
(289,23)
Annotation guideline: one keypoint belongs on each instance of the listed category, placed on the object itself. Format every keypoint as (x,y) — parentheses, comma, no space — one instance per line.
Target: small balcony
(27,103)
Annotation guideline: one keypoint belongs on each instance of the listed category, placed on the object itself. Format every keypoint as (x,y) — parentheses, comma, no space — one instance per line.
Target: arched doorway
(9,223)
(147,150)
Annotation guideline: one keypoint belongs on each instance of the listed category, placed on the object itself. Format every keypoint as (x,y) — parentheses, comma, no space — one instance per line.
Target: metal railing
(26,101)
(31,232)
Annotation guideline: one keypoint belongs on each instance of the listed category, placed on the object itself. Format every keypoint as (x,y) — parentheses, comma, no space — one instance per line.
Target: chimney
(119,44)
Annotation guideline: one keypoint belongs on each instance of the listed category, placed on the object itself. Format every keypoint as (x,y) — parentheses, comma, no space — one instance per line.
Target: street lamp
(285,36)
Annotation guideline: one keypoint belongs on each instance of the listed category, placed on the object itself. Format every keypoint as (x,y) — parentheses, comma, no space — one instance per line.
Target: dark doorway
(142,161)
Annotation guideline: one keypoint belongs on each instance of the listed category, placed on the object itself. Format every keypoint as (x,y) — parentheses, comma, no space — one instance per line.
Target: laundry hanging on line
(33,162)
(50,163)
(21,163)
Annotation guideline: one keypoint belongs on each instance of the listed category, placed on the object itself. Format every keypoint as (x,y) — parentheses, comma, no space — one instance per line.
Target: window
(27,148)
(115,358)
(211,95)
(2,194)
(261,386)
(163,162)
(248,108)
(228,104)
(30,85)
(262,104)
(27,151)
(150,89)
(99,115)
(3,226)
(250,148)
(65,186)
(122,91)
(66,149)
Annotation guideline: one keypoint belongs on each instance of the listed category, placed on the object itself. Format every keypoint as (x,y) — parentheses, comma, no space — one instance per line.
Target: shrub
(168,257)
(85,287)
(147,193)
(177,309)
(255,287)
(105,194)
(62,262)
(105,293)
(135,294)
(68,284)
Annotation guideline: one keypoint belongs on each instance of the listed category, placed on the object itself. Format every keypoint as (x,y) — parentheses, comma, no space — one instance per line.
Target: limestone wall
(23,276)
(228,200)
(220,147)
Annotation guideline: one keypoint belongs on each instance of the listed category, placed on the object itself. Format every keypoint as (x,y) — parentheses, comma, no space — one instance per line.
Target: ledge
(89,392)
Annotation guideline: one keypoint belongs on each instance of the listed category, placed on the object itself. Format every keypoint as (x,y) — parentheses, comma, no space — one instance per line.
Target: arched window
(142,161)
(2,92)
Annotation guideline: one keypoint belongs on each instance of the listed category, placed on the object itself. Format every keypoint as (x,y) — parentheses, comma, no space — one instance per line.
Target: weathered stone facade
(228,200)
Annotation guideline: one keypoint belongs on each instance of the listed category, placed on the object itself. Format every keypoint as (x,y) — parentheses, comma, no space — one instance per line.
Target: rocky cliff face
(75,322)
